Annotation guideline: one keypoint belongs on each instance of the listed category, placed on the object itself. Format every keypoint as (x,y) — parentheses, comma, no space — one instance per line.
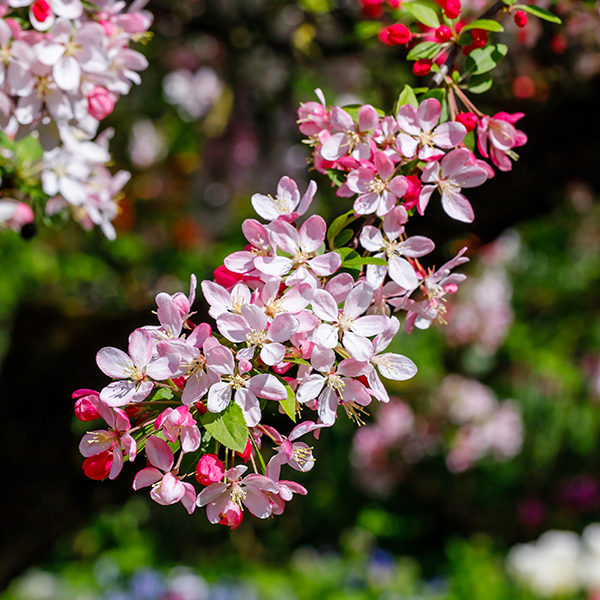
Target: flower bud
(85,410)
(443,34)
(245,455)
(232,515)
(468,119)
(100,103)
(399,34)
(520,18)
(226,278)
(210,469)
(422,67)
(452,8)
(98,467)
(480,37)
(200,407)
(41,10)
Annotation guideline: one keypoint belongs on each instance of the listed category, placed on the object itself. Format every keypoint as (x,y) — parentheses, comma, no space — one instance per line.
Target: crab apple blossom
(350,138)
(419,135)
(251,491)
(455,171)
(134,371)
(14,215)
(333,386)
(378,189)
(348,324)
(287,203)
(209,469)
(247,388)
(167,488)
(259,245)
(301,245)
(179,423)
(393,247)
(468,119)
(85,404)
(502,136)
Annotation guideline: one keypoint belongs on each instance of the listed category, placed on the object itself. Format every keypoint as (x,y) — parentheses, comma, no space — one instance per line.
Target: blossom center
(301,257)
(237,495)
(426,138)
(449,186)
(377,185)
(336,384)
(345,322)
(256,338)
(273,308)
(237,382)
(302,456)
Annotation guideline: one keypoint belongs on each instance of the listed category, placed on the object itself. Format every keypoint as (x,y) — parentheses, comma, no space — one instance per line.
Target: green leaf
(297,361)
(486,24)
(438,94)
(423,13)
(161,393)
(509,2)
(347,253)
(542,13)
(228,427)
(367,29)
(407,96)
(424,50)
(343,238)
(289,404)
(366,260)
(334,176)
(338,225)
(482,60)
(480,83)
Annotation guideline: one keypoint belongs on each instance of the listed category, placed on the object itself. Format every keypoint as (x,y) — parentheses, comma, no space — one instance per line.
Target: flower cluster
(396,163)
(64,65)
(299,330)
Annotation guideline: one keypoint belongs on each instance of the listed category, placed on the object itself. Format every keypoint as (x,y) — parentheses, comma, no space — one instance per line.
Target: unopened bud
(399,34)
(422,67)
(100,103)
(443,34)
(520,18)
(468,119)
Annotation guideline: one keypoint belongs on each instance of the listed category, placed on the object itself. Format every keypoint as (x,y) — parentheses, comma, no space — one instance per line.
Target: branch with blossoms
(302,317)
(64,65)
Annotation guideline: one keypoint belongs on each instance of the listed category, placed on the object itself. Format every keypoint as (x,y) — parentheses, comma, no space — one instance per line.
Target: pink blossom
(350,138)
(252,327)
(260,245)
(250,491)
(502,135)
(301,245)
(313,117)
(166,487)
(85,405)
(222,301)
(287,203)
(393,247)
(378,189)
(116,440)
(334,386)
(455,172)
(14,214)
(421,134)
(246,388)
(179,423)
(347,323)
(135,371)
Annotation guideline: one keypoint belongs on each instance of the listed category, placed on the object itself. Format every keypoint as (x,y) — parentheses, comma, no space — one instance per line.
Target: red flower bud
(98,467)
(452,8)
(41,10)
(226,278)
(422,67)
(443,34)
(520,18)
(480,37)
(210,469)
(85,410)
(468,119)
(245,455)
(200,407)
(399,34)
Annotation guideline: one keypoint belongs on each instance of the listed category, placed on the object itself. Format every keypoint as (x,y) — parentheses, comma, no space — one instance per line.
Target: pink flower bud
(41,10)
(480,37)
(443,34)
(226,278)
(422,67)
(451,8)
(210,469)
(520,18)
(98,467)
(245,455)
(232,515)
(100,103)
(411,197)
(85,410)
(399,34)
(468,119)
(108,27)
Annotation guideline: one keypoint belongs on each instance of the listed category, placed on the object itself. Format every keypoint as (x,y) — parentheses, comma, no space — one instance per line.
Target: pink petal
(429,113)
(146,477)
(272,354)
(325,264)
(267,386)
(359,347)
(324,306)
(211,493)
(282,328)
(255,317)
(114,362)
(368,118)
(384,165)
(449,134)
(285,236)
(159,454)
(312,233)
(358,300)
(407,120)
(371,238)
(140,347)
(219,397)
(250,406)
(458,207)
(402,272)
